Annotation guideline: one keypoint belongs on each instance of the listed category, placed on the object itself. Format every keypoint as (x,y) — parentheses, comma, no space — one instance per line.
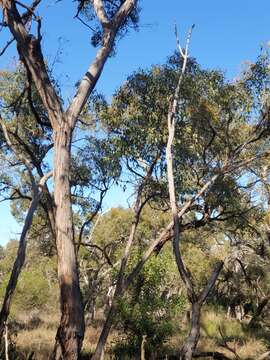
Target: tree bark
(191,342)
(71,329)
(143,347)
(99,351)
(194,334)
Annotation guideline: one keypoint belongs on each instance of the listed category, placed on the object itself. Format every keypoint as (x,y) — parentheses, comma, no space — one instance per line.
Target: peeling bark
(71,329)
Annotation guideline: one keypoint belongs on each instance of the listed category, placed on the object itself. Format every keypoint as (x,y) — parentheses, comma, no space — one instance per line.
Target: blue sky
(227,34)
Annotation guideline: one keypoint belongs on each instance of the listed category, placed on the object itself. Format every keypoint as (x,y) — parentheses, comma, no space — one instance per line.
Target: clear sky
(227,33)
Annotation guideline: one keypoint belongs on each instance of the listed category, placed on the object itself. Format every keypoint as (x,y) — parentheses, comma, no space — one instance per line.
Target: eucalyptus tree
(110,19)
(217,136)
(233,116)
(94,167)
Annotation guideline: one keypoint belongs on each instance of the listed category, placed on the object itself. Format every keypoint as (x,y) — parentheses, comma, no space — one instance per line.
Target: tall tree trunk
(99,351)
(194,334)
(71,329)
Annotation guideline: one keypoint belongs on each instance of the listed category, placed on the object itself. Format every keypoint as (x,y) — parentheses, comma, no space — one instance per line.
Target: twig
(9,42)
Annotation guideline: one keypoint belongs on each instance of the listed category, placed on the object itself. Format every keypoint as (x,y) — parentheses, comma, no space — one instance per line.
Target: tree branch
(92,75)
(31,55)
(171,119)
(20,258)
(211,282)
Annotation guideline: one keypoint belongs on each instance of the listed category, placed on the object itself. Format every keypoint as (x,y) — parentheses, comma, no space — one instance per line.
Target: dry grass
(40,338)
(37,333)
(228,336)
(40,341)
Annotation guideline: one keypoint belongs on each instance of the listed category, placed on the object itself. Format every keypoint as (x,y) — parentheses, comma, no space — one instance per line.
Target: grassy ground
(35,333)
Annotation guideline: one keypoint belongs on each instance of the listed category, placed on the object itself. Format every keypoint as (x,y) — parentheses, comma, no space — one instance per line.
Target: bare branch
(211,282)
(31,55)
(19,156)
(100,12)
(171,118)
(91,218)
(165,235)
(92,75)
(9,42)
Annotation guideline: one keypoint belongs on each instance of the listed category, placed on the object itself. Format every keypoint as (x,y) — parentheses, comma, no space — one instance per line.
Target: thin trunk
(98,355)
(71,329)
(99,352)
(18,264)
(120,286)
(143,347)
(194,335)
(192,340)
(6,341)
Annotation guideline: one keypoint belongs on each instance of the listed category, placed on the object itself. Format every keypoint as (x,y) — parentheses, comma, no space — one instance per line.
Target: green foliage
(215,119)
(216,326)
(85,8)
(37,286)
(149,309)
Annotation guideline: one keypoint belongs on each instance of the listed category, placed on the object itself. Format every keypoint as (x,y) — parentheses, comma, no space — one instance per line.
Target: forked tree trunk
(191,342)
(71,329)
(194,334)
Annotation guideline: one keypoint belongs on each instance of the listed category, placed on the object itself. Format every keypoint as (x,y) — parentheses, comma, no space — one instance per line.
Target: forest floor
(33,335)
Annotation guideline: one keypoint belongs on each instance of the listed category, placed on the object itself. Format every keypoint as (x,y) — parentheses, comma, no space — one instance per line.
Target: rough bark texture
(71,330)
